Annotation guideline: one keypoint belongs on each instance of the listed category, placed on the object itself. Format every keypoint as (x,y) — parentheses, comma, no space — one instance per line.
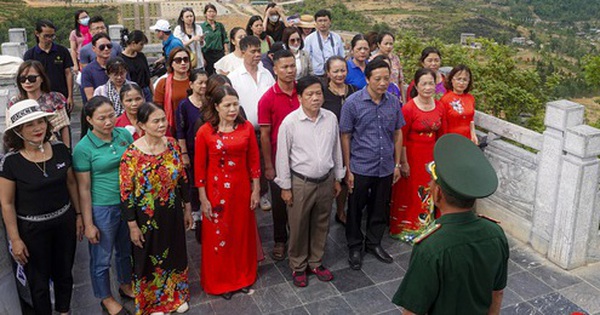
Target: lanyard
(321,45)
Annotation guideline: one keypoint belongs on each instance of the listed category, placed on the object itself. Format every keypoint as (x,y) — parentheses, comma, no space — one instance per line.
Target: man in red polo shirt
(273,107)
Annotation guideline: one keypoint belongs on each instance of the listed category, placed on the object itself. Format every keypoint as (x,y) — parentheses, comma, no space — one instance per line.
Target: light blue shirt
(332,46)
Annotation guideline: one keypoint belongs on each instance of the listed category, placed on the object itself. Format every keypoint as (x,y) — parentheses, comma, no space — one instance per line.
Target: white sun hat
(23,112)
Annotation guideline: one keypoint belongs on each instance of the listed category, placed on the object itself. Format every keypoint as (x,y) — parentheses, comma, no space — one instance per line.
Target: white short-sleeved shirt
(229,63)
(251,91)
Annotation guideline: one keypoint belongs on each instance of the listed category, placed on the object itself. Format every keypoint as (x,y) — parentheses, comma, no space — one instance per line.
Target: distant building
(464,38)
(518,40)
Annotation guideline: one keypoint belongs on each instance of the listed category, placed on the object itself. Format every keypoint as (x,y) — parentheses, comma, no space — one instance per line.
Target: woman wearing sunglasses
(293,42)
(33,83)
(170,91)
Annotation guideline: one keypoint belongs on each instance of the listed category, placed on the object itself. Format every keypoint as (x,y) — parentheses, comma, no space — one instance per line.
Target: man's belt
(310,179)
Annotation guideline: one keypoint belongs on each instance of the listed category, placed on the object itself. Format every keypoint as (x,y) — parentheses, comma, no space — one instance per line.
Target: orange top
(460,110)
(179,92)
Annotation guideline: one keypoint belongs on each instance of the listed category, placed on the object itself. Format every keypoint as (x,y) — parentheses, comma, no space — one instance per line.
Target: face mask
(294,49)
(84,21)
(274,18)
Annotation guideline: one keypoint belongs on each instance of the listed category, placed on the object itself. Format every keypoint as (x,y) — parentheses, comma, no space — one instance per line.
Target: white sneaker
(196,216)
(183,308)
(265,203)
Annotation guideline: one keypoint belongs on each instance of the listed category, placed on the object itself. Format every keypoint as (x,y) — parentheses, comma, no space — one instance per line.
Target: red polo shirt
(273,106)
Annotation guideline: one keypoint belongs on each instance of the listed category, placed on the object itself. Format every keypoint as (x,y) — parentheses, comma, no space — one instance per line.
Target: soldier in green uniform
(458,266)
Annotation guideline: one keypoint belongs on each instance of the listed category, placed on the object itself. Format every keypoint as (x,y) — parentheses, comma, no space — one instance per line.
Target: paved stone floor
(535,285)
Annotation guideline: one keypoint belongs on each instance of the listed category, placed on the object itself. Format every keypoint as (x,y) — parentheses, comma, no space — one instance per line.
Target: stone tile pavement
(535,286)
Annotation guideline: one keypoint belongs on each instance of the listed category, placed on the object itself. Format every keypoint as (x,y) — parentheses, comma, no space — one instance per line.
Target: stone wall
(548,183)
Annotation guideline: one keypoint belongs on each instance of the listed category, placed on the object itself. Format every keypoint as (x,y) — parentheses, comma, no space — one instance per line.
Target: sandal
(278,252)
(227,295)
(300,278)
(247,290)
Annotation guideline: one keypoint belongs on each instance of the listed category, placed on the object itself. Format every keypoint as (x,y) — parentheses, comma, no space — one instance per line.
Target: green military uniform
(457,264)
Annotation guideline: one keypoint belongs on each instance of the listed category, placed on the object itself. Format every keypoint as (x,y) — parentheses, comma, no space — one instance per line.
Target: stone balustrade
(548,191)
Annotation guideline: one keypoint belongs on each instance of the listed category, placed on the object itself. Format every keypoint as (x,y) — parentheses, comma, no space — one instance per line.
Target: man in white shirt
(309,170)
(252,80)
(323,44)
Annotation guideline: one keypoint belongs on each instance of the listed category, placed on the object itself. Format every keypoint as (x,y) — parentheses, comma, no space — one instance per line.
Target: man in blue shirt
(86,53)
(162,29)
(370,125)
(323,43)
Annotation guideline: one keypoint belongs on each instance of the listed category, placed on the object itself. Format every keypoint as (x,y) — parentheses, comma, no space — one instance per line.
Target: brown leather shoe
(278,252)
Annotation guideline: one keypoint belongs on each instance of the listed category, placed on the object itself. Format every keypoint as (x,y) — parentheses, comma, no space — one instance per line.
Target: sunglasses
(294,40)
(105,46)
(31,78)
(49,36)
(181,60)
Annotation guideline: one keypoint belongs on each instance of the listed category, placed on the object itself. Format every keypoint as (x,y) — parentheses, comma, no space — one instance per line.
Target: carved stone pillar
(560,115)
(575,218)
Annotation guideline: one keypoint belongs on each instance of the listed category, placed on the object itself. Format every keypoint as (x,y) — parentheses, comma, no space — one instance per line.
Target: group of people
(221,135)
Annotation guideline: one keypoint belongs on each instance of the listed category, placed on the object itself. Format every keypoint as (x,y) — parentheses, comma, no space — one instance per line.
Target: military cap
(461,169)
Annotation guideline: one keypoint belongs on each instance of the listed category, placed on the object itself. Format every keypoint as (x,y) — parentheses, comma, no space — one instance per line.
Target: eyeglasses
(49,36)
(433,60)
(31,78)
(181,60)
(294,40)
(119,74)
(461,80)
(105,46)
(99,28)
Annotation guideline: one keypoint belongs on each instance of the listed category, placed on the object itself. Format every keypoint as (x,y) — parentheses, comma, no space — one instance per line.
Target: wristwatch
(397,165)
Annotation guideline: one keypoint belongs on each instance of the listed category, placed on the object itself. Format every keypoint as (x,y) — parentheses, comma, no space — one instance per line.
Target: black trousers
(374,193)
(212,56)
(51,245)
(279,210)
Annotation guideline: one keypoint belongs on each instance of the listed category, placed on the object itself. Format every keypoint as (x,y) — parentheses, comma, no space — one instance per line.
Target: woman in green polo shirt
(96,161)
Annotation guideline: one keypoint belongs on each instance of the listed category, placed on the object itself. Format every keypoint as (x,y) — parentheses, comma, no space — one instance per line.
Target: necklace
(150,148)
(43,168)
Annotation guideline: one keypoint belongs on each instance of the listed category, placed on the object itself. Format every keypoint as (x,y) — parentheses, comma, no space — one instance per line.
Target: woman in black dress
(40,205)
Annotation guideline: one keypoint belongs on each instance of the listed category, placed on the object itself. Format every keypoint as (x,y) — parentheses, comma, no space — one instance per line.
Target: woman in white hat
(33,84)
(40,206)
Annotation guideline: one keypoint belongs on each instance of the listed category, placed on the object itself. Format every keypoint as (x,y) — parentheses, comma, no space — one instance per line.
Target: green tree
(591,70)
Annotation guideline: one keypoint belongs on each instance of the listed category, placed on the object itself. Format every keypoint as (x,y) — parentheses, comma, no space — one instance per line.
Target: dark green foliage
(62,17)
(343,19)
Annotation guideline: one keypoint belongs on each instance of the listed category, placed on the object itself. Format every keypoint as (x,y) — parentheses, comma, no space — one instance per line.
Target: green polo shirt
(102,160)
(456,268)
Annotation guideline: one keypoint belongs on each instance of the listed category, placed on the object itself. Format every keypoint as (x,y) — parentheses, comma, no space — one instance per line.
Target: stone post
(9,299)
(114,32)
(560,115)
(17,35)
(575,215)
(14,49)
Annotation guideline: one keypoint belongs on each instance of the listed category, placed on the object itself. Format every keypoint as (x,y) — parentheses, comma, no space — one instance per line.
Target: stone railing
(548,193)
